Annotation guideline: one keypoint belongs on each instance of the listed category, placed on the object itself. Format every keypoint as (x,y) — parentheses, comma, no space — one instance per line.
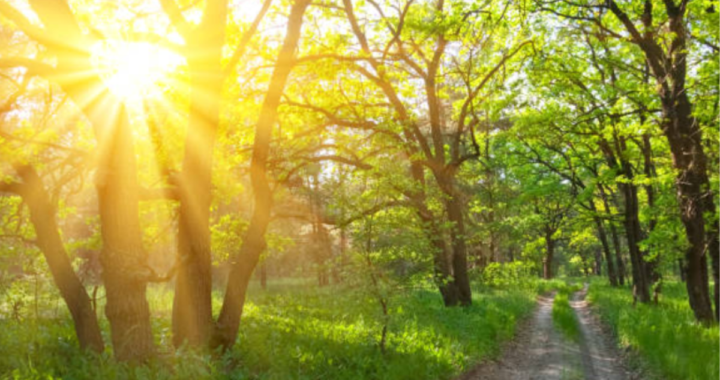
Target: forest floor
(540,351)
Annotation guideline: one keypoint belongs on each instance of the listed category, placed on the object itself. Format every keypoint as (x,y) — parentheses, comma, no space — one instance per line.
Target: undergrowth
(665,336)
(291,332)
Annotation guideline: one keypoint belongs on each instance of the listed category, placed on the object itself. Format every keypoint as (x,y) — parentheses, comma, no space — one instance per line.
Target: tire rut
(601,360)
(539,351)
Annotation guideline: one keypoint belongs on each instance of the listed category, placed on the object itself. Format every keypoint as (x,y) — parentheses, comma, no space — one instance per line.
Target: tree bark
(192,304)
(649,170)
(123,257)
(684,135)
(125,270)
(615,238)
(631,220)
(254,243)
(42,216)
(459,248)
(612,276)
(549,254)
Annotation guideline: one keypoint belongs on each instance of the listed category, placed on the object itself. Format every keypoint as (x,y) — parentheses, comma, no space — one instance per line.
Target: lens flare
(134,70)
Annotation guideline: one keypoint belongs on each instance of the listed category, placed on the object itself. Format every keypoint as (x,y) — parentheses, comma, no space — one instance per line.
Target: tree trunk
(192,304)
(441,265)
(254,243)
(125,270)
(649,170)
(694,197)
(549,254)
(634,233)
(441,268)
(615,238)
(631,220)
(612,276)
(684,135)
(690,182)
(42,216)
(124,260)
(442,273)
(459,249)
(606,247)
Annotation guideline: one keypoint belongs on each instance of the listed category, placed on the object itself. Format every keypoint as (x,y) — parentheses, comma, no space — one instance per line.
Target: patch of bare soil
(600,357)
(540,352)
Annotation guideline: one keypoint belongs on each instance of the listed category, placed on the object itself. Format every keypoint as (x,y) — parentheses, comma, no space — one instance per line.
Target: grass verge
(564,317)
(665,336)
(290,332)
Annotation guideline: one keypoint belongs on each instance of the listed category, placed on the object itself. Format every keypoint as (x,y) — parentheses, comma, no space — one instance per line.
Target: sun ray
(134,70)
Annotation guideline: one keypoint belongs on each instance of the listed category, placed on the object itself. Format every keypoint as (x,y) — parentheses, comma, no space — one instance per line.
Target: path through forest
(540,351)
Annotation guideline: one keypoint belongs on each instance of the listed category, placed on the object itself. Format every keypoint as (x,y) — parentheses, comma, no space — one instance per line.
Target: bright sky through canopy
(133,70)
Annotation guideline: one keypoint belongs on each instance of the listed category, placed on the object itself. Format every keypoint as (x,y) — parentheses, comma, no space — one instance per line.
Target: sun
(134,70)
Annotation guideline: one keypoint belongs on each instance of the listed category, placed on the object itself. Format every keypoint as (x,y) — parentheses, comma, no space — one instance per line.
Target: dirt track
(540,352)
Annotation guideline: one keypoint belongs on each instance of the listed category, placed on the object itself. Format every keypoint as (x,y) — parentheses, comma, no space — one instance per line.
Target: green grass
(292,331)
(563,315)
(666,336)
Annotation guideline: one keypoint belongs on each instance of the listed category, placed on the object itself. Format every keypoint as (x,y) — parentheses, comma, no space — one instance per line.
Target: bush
(515,273)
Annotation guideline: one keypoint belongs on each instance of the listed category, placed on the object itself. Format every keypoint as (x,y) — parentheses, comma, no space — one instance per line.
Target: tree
(668,64)
(254,239)
(123,255)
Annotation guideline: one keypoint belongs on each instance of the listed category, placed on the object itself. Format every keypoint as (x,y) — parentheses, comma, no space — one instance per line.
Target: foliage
(505,274)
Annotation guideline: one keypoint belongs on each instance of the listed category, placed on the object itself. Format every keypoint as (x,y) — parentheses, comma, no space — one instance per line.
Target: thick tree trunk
(442,273)
(192,304)
(459,249)
(192,311)
(692,186)
(254,243)
(124,260)
(693,192)
(125,271)
(634,233)
(42,216)
(684,135)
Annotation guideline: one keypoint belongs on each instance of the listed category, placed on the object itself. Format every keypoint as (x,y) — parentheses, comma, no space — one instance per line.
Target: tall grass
(291,331)
(666,336)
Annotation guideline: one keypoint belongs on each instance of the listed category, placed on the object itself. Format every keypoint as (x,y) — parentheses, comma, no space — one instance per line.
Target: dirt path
(540,352)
